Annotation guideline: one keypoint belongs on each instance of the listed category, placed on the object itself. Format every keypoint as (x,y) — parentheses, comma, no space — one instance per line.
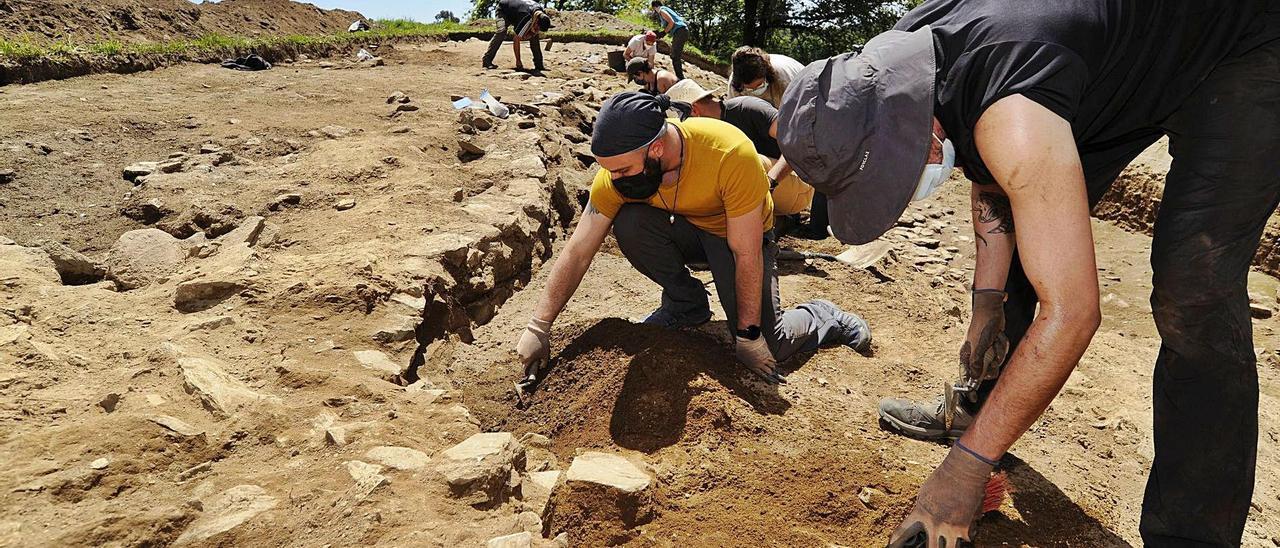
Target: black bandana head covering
(630,120)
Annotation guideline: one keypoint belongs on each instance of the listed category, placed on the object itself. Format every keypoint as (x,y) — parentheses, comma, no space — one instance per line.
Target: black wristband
(751,333)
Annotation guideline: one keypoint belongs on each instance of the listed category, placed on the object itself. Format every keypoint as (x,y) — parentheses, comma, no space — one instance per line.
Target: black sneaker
(490,66)
(924,421)
(662,317)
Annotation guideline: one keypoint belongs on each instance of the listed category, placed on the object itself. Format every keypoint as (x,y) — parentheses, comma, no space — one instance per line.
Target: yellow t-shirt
(719,179)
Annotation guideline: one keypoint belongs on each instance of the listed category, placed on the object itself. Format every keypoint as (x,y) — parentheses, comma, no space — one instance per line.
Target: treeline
(804,29)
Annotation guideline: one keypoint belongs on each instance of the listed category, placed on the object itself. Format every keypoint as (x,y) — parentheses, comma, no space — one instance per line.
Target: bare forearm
(993,234)
(566,275)
(780,169)
(515,48)
(1040,366)
(748,275)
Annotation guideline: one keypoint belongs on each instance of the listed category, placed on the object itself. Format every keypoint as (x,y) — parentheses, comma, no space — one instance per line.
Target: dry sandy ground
(434,245)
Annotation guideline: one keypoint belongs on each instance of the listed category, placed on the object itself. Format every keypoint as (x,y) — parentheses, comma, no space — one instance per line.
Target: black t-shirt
(515,12)
(1112,68)
(754,116)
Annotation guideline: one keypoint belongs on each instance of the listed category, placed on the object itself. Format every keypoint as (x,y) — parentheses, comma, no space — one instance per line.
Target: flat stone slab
(608,470)
(400,458)
(518,540)
(226,511)
(381,364)
(218,390)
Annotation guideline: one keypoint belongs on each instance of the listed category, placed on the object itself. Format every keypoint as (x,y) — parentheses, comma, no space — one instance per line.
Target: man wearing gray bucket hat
(1043,104)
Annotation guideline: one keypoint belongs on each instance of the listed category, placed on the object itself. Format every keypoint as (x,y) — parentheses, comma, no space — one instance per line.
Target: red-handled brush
(998,489)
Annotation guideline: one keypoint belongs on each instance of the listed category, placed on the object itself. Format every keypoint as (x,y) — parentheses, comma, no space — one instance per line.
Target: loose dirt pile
(213,301)
(161,20)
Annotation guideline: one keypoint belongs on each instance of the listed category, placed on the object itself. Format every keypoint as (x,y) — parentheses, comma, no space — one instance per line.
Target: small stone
(397,329)
(108,403)
(481,122)
(871,497)
(381,364)
(99,463)
(400,458)
(156,399)
(525,124)
(468,147)
(344,204)
(140,169)
(210,148)
(400,129)
(1260,312)
(176,425)
(325,64)
(518,540)
(247,233)
(360,469)
(928,243)
(335,132)
(285,200)
(7,176)
(483,468)
(459,194)
(203,293)
(406,108)
(397,97)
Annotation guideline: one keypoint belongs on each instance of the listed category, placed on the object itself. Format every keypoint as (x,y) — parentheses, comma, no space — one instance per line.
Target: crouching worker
(529,20)
(677,192)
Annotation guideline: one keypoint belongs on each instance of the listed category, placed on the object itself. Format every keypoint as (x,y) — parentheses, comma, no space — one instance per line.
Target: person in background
(655,81)
(529,20)
(642,46)
(673,25)
(760,74)
(759,121)
(766,75)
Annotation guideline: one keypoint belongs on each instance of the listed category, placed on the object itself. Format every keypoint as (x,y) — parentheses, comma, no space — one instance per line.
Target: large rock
(484,468)
(603,499)
(140,169)
(227,510)
(536,490)
(26,264)
(247,233)
(218,390)
(73,267)
(145,256)
(382,365)
(518,540)
(400,458)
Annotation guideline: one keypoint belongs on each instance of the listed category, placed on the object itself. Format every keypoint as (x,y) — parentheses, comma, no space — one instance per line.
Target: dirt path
(439,244)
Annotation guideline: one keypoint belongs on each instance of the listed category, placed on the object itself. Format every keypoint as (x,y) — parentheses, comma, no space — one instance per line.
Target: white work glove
(755,354)
(534,347)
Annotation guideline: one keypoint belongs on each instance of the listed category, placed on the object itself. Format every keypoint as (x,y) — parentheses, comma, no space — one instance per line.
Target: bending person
(677,192)
(1043,110)
(529,20)
(655,81)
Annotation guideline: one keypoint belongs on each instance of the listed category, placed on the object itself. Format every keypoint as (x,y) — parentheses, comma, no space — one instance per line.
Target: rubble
(483,469)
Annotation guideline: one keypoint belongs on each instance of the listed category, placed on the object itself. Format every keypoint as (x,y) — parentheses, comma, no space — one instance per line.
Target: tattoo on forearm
(994,208)
(591,210)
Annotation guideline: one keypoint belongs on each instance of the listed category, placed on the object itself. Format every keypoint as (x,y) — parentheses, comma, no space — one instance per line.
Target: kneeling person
(677,192)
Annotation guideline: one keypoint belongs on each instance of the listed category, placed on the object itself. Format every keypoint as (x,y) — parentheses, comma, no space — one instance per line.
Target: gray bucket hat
(859,129)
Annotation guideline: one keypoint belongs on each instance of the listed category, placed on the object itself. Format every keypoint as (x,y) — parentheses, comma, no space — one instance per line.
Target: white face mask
(936,174)
(758,92)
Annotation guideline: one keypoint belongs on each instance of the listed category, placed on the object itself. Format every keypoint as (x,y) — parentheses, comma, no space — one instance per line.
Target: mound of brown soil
(157,20)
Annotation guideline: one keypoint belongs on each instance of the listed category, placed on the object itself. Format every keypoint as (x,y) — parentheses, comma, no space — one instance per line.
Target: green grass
(28,49)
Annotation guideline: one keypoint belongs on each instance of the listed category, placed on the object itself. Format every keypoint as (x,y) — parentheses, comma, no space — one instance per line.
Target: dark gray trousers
(501,35)
(1223,185)
(660,249)
(678,38)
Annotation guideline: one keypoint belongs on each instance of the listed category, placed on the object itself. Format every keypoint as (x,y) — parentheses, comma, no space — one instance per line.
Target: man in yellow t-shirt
(677,192)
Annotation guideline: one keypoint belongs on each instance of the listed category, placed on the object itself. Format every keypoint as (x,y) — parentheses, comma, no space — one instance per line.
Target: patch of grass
(108,47)
(20,48)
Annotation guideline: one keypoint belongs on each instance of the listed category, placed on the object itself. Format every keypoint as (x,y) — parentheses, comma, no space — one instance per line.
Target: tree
(446,16)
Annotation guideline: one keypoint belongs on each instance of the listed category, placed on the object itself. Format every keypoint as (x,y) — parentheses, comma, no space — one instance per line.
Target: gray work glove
(948,504)
(986,345)
(534,347)
(755,354)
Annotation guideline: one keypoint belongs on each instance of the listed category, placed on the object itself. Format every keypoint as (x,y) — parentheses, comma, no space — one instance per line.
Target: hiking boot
(851,331)
(924,421)
(663,317)
(490,66)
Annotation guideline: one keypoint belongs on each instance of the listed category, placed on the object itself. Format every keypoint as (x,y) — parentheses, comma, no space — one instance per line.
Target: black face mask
(641,185)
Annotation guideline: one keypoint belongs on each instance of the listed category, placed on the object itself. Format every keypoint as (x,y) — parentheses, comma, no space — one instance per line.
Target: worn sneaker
(490,66)
(922,420)
(853,331)
(663,317)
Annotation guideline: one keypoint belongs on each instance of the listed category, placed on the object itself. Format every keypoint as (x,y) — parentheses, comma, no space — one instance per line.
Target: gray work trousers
(678,38)
(660,249)
(500,35)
